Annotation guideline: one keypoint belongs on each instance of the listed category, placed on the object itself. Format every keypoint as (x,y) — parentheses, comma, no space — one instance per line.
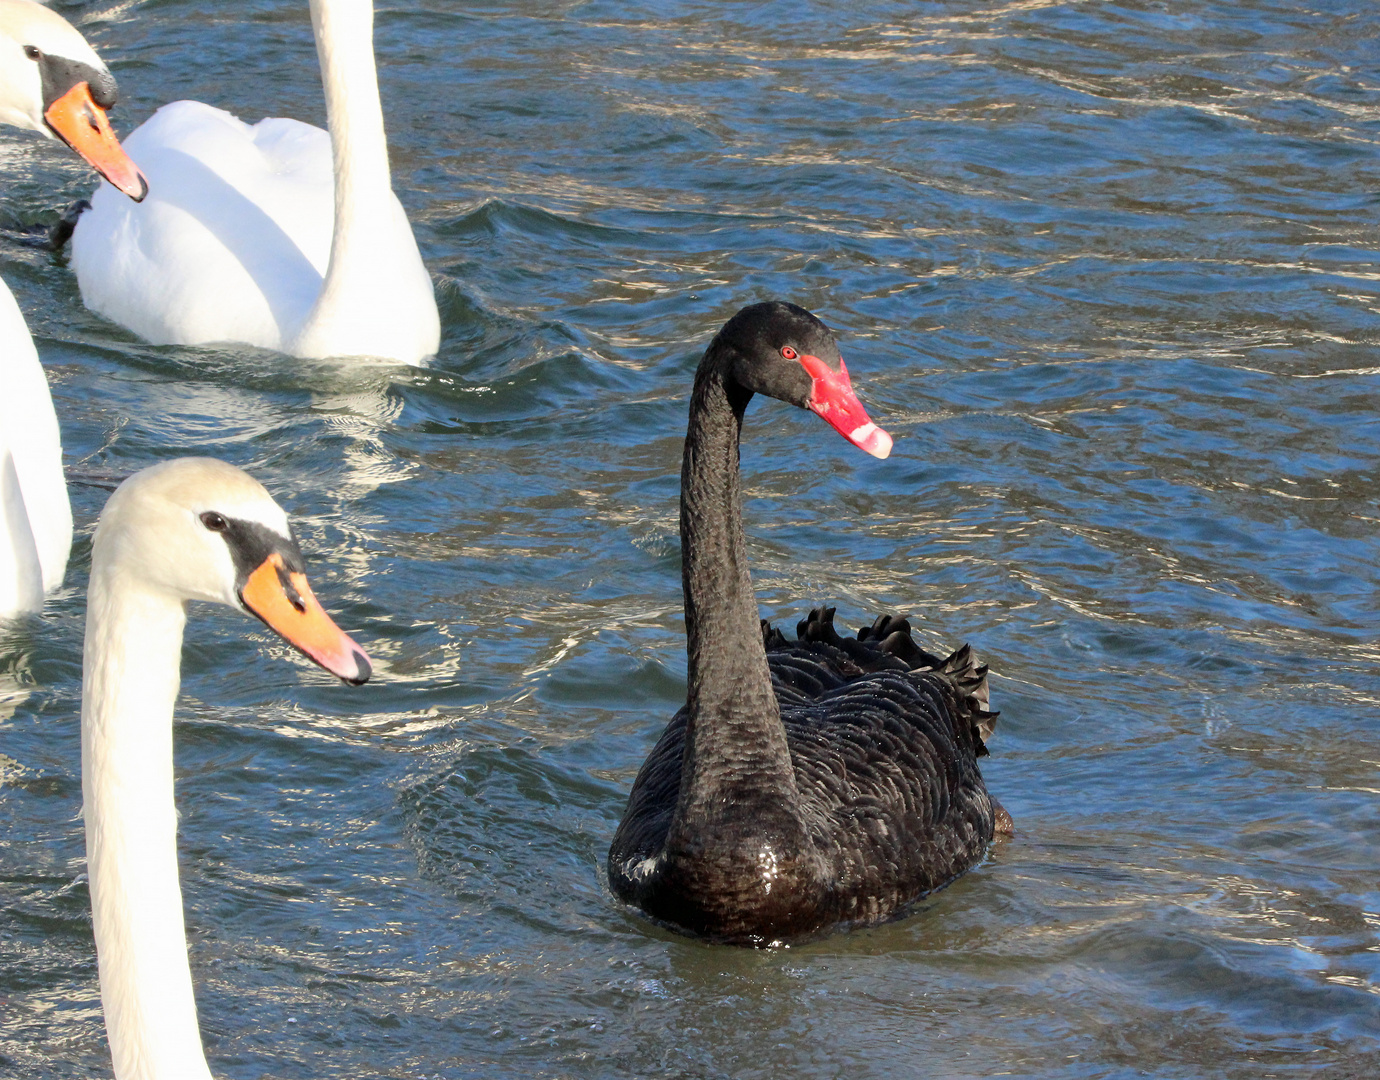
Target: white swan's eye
(788,352)
(32,53)
(214,521)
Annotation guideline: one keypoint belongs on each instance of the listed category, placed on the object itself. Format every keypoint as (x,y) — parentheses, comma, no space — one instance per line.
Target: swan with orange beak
(52,81)
(188,529)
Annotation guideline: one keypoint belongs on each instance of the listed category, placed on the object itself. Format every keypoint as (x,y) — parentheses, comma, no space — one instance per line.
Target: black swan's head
(783,351)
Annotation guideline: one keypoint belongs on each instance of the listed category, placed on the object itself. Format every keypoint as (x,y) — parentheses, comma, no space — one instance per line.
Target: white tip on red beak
(872,439)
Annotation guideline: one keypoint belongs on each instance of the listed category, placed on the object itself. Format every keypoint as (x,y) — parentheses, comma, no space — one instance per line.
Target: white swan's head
(52,81)
(200,529)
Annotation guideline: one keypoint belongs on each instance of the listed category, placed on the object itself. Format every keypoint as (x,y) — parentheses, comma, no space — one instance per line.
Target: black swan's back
(884,739)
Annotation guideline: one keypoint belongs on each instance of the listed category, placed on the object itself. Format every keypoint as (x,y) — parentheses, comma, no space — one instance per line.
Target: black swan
(805,783)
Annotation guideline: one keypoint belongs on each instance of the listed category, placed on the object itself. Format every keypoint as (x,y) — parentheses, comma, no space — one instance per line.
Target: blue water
(1109,273)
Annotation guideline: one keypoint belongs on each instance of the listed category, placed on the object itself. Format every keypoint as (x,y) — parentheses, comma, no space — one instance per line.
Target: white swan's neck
(130,682)
(363,236)
(345,47)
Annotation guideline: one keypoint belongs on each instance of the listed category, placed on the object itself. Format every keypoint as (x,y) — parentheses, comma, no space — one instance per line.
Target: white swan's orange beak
(84,126)
(832,399)
(283,599)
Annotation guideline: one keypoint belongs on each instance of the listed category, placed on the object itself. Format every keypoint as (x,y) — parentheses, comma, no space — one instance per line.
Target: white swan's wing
(231,243)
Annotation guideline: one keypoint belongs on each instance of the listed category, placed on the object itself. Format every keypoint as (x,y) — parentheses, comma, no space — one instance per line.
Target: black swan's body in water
(805,783)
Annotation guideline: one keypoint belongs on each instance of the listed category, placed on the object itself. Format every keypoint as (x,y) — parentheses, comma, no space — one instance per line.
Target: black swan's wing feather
(821,658)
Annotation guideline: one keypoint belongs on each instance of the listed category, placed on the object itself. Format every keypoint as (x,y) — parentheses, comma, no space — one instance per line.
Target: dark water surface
(1109,273)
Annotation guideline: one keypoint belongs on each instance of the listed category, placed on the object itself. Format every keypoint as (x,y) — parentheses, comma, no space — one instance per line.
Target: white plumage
(35,515)
(276,234)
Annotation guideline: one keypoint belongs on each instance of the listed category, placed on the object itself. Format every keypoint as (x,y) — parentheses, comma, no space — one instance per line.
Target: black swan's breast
(884,740)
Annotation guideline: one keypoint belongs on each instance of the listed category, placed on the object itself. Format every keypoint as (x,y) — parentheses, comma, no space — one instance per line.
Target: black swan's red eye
(788,352)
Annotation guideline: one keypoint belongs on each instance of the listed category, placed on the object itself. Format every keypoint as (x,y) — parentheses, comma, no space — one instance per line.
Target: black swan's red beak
(833,400)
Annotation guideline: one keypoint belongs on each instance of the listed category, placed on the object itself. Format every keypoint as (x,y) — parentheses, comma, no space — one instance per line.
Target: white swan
(52,82)
(275,235)
(35,516)
(189,529)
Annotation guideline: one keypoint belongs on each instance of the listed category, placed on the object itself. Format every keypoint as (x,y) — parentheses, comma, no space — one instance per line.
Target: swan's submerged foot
(62,230)
(49,237)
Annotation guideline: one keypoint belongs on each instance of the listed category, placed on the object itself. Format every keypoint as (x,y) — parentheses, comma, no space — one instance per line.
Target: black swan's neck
(737,765)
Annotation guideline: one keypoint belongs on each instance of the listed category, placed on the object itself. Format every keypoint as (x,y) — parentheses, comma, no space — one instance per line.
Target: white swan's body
(191,529)
(35,516)
(48,75)
(276,235)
